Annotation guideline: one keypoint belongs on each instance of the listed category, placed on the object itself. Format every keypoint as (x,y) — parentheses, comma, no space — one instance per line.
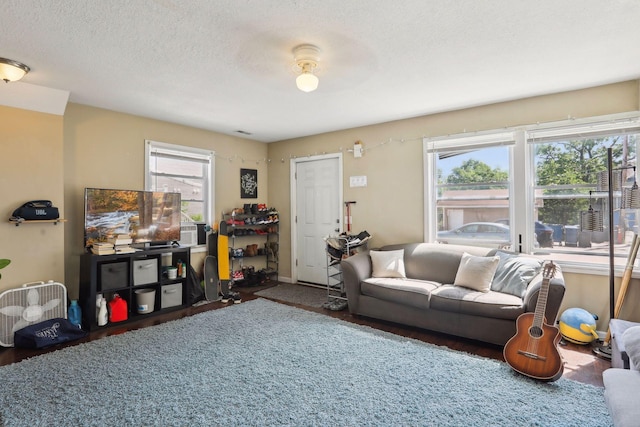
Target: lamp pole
(611,236)
(604,350)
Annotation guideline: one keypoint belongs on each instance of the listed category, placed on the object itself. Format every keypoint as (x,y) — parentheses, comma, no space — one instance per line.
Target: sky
(494,157)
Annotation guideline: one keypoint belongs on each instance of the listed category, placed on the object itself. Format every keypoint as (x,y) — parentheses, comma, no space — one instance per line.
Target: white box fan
(32,303)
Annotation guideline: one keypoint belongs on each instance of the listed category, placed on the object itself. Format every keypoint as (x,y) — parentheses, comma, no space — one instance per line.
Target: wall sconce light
(357,149)
(306,57)
(12,71)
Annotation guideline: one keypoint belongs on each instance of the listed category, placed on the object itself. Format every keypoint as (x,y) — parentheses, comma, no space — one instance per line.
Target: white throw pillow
(476,272)
(387,263)
(631,340)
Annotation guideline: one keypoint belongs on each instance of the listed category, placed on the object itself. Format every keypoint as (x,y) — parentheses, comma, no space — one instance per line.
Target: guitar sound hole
(535,331)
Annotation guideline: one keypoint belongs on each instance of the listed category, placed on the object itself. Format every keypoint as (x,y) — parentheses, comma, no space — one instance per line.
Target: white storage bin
(145,271)
(171,295)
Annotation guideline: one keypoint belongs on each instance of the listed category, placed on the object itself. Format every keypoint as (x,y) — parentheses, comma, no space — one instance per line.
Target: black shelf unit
(123,274)
(245,229)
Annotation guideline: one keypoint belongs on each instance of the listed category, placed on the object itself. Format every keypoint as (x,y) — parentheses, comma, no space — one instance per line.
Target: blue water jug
(75,313)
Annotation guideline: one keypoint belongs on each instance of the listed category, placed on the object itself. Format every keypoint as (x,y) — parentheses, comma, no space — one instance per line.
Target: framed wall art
(248,183)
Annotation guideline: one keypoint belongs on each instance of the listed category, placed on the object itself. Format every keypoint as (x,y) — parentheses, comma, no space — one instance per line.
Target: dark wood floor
(580,363)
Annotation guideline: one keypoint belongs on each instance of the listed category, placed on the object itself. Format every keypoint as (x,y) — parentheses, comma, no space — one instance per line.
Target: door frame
(294,202)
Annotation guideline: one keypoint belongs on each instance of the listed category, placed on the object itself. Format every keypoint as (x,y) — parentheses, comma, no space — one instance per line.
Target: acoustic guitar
(533,350)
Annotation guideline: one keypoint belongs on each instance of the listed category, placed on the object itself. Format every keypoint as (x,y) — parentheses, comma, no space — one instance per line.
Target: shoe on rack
(225,298)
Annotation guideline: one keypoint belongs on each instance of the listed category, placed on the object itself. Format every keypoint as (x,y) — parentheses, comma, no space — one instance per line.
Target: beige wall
(106,149)
(391,206)
(48,156)
(30,169)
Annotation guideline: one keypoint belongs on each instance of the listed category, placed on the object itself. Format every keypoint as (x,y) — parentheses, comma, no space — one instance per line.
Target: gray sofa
(427,297)
(622,381)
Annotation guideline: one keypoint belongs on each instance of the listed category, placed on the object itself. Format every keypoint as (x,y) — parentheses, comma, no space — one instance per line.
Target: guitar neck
(541,305)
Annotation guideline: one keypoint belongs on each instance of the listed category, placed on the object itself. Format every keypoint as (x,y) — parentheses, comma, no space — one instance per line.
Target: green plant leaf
(4,263)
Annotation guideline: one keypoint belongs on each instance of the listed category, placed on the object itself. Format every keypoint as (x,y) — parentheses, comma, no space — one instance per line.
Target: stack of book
(103,248)
(122,244)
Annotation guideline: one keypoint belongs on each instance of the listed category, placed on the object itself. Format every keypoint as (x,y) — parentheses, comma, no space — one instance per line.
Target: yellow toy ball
(578,326)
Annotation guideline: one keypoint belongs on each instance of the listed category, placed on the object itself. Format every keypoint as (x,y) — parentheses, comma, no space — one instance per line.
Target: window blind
(595,129)
(456,144)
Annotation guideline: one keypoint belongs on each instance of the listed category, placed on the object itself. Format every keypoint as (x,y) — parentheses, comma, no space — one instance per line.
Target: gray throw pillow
(514,273)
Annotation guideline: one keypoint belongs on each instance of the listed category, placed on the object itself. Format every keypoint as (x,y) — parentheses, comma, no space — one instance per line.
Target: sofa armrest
(554,299)
(355,269)
(631,344)
(621,394)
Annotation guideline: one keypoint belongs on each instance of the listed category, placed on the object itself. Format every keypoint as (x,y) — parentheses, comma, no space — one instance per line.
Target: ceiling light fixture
(12,71)
(306,57)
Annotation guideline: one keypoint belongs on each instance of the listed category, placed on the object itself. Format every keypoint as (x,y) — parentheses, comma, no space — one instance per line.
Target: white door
(318,211)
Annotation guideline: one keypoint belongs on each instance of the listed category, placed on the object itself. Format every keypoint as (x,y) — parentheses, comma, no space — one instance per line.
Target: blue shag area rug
(261,363)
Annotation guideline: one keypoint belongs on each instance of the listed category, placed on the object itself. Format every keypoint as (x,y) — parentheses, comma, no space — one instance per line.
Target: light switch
(358,181)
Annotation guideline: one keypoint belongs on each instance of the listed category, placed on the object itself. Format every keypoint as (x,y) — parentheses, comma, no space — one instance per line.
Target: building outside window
(470,177)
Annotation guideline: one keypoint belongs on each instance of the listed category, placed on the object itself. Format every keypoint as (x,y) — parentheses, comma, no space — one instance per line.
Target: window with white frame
(566,161)
(185,170)
(537,180)
(469,179)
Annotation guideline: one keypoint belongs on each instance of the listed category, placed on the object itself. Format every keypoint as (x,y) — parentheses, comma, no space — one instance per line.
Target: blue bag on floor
(47,333)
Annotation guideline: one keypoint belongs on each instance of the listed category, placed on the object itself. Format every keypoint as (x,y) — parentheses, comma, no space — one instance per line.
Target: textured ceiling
(226,65)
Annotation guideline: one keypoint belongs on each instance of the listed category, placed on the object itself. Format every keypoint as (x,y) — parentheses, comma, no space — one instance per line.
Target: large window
(566,165)
(471,186)
(186,170)
(525,188)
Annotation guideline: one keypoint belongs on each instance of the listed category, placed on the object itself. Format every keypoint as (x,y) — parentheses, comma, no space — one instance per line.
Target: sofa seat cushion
(402,291)
(462,300)
(621,394)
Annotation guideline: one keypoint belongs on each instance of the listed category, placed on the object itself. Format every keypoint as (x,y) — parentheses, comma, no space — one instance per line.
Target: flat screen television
(149,217)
